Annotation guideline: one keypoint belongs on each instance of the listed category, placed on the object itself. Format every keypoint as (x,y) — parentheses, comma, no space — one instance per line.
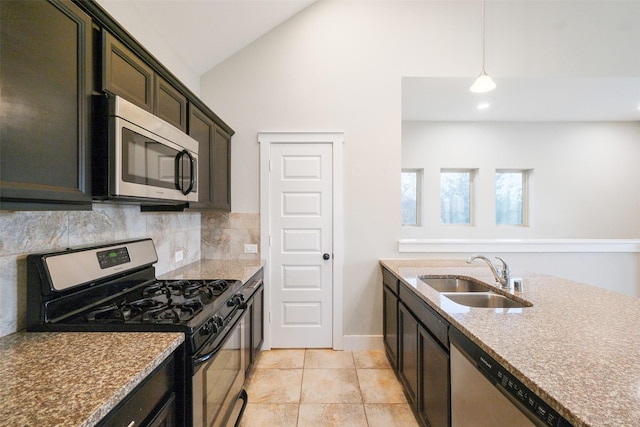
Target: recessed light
(483,106)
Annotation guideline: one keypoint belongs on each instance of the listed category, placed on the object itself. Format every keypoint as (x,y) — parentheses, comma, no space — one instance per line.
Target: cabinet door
(390,325)
(257,324)
(434,391)
(202,128)
(170,105)
(125,74)
(46,57)
(221,170)
(246,338)
(152,399)
(408,368)
(214,161)
(166,416)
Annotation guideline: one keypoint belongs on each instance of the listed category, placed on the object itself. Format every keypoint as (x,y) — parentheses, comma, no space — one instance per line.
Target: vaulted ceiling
(204,32)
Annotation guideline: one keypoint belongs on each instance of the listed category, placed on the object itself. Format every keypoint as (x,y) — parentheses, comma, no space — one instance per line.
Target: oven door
(218,378)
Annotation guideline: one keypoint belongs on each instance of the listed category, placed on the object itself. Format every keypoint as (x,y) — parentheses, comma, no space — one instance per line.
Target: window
(455,196)
(511,197)
(411,182)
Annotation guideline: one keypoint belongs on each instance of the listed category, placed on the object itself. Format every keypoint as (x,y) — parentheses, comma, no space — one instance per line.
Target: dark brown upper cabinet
(125,74)
(46,80)
(214,157)
(170,105)
(221,170)
(128,75)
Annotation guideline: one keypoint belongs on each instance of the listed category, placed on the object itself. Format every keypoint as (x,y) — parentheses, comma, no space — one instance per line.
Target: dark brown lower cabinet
(257,326)
(422,354)
(390,325)
(408,368)
(245,330)
(151,403)
(166,417)
(433,381)
(424,371)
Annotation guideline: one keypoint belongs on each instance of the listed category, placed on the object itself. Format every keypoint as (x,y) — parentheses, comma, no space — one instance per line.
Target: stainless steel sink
(470,293)
(453,284)
(484,300)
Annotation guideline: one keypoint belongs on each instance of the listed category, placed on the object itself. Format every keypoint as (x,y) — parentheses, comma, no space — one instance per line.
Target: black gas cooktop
(172,302)
(113,287)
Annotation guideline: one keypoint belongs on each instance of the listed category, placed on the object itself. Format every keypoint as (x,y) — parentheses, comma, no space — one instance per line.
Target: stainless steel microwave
(139,157)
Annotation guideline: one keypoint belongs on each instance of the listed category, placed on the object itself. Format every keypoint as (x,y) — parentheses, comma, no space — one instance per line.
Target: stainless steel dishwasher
(484,394)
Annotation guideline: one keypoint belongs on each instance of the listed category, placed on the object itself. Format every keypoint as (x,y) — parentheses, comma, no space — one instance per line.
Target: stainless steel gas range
(112,287)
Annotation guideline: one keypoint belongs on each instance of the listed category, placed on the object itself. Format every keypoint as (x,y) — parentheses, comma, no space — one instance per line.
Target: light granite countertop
(578,346)
(74,378)
(216,269)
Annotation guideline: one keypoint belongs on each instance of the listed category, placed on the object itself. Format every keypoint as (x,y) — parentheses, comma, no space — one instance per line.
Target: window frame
(473,173)
(526,191)
(419,173)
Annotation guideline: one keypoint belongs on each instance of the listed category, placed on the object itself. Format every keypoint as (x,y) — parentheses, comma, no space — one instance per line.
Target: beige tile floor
(323,388)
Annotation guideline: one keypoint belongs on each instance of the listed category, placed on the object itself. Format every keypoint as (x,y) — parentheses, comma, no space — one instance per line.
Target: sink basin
(484,300)
(452,284)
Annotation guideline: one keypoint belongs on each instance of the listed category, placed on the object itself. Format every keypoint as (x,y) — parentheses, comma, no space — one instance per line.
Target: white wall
(337,66)
(585,180)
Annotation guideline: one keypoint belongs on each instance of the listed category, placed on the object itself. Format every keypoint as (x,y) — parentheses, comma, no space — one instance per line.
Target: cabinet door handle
(326,257)
(131,424)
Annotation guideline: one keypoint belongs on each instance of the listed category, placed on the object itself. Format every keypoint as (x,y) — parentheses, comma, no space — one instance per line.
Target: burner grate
(176,301)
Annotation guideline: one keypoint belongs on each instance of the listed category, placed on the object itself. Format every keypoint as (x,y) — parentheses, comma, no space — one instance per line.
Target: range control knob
(237,299)
(209,328)
(218,321)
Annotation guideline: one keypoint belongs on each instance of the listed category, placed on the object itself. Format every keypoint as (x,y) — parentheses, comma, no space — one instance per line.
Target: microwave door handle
(192,173)
(179,172)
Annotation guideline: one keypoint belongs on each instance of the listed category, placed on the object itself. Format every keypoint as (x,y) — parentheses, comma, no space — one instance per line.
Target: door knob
(326,257)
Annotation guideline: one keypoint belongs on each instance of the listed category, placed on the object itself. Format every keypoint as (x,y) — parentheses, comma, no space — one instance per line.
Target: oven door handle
(256,284)
(245,399)
(197,361)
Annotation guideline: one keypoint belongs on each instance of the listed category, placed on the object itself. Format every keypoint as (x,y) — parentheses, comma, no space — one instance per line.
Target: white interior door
(301,245)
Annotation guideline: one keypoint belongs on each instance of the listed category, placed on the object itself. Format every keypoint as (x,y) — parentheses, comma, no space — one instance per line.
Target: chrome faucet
(502,275)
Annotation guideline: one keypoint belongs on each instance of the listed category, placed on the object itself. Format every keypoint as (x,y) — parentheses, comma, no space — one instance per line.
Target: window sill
(519,245)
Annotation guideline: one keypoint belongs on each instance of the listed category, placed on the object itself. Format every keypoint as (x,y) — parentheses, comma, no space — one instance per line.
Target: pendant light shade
(483,83)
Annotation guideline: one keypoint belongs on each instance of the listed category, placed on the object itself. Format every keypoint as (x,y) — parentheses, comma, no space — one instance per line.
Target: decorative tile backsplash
(225,234)
(23,233)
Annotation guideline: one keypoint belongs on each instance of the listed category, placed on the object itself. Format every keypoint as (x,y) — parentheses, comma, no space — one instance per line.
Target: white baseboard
(362,342)
(354,343)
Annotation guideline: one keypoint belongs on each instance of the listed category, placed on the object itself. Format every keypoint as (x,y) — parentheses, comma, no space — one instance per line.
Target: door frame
(336,139)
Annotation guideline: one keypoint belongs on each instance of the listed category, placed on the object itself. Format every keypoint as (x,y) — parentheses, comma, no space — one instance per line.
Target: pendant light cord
(483,37)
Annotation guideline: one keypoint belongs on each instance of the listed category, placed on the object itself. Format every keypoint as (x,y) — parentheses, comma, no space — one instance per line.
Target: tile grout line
(304,363)
(364,409)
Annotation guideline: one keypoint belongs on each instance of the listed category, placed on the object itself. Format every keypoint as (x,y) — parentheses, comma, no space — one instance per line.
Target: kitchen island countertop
(578,346)
(74,378)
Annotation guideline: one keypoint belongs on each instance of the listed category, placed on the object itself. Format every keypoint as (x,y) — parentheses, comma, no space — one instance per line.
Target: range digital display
(113,257)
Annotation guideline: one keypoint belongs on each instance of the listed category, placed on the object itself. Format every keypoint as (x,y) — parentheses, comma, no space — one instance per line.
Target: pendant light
(483,83)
